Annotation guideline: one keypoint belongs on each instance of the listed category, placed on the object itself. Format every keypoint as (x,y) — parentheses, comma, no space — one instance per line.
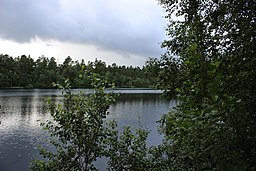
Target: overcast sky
(121,31)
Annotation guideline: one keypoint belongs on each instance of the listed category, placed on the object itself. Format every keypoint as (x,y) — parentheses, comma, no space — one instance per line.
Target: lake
(20,110)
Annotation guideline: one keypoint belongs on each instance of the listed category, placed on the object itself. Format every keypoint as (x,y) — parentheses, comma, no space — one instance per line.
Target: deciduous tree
(214,126)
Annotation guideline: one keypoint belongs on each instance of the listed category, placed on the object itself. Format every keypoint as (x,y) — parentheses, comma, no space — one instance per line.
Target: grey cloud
(124,29)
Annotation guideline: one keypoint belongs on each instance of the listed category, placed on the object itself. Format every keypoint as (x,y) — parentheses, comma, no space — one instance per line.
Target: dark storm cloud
(123,26)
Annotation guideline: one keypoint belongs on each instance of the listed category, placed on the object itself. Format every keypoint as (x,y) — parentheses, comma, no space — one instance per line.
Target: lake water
(20,110)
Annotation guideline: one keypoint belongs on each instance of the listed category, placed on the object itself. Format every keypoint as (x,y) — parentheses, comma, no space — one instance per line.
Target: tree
(166,73)
(214,126)
(77,131)
(8,71)
(80,135)
(53,70)
(126,150)
(68,71)
(25,71)
(41,72)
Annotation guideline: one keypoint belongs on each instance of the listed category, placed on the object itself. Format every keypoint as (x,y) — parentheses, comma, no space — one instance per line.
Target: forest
(25,72)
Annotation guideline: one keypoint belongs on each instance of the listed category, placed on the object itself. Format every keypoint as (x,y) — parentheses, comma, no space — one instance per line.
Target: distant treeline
(25,72)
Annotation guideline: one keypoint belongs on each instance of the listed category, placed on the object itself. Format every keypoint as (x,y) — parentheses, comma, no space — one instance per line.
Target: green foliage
(79,133)
(45,72)
(76,131)
(126,150)
(167,73)
(24,72)
(8,71)
(214,126)
(26,68)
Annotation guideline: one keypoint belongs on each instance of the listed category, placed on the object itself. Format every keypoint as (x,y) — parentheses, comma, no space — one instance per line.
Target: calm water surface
(20,130)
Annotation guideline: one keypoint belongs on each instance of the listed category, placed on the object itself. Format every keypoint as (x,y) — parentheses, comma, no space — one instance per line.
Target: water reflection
(141,110)
(20,131)
(25,106)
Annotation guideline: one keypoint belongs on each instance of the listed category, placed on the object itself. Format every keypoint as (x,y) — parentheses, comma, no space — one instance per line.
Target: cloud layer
(123,26)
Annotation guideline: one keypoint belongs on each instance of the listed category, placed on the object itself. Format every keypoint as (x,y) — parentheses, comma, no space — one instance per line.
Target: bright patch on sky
(125,32)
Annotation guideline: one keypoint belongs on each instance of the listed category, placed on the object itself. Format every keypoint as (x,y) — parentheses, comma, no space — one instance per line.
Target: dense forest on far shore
(25,72)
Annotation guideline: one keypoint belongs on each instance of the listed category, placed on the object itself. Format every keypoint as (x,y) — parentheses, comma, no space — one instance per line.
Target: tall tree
(78,130)
(41,72)
(25,70)
(67,70)
(214,128)
(53,70)
(8,71)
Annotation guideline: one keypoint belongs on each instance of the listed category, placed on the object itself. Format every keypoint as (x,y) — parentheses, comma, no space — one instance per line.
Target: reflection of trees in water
(145,108)
(3,101)
(142,100)
(26,105)
(43,107)
(20,130)
(138,97)
(37,104)
(35,108)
